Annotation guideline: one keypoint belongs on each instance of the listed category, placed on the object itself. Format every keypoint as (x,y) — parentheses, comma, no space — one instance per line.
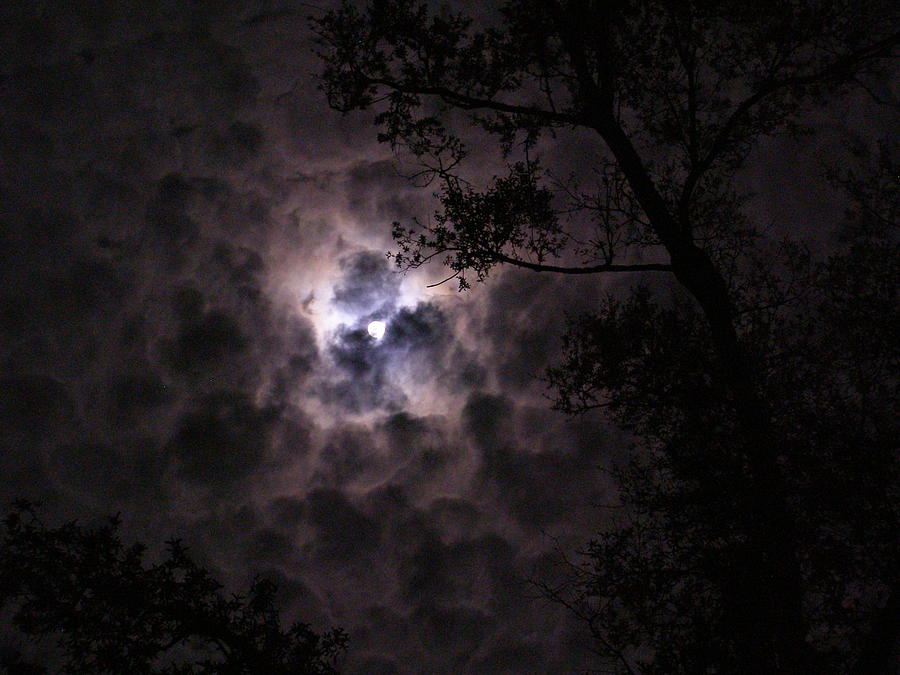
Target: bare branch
(466,102)
(834,69)
(592,269)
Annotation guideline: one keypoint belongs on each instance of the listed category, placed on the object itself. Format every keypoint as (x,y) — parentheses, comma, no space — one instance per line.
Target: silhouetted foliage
(665,576)
(94,603)
(746,388)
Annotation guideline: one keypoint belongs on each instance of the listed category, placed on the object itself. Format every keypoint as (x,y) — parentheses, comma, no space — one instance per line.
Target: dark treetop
(718,570)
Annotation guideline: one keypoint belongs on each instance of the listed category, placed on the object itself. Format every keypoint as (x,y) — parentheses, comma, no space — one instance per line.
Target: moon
(376,329)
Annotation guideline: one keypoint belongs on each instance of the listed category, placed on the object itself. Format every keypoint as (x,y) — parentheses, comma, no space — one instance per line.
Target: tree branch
(593,269)
(573,44)
(467,102)
(835,68)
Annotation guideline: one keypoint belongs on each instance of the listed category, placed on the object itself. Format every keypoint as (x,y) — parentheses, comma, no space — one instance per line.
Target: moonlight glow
(376,329)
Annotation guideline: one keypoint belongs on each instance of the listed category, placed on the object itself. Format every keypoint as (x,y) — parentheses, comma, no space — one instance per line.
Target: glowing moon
(376,329)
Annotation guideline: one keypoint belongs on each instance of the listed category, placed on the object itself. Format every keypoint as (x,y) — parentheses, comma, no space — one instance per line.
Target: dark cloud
(167,213)
(459,630)
(181,224)
(363,383)
(514,656)
(34,405)
(378,192)
(138,394)
(523,333)
(237,144)
(419,449)
(287,512)
(421,327)
(487,418)
(34,411)
(222,439)
(476,568)
(205,337)
(384,628)
(241,267)
(98,474)
(404,430)
(376,665)
(356,352)
(50,284)
(464,371)
(270,545)
(543,481)
(347,454)
(367,286)
(344,533)
(455,518)
(299,355)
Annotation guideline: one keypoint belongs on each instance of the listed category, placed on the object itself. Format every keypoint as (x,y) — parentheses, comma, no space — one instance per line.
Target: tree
(830,376)
(675,94)
(108,612)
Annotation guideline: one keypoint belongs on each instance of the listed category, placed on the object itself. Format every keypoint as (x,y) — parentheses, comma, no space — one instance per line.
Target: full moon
(376,329)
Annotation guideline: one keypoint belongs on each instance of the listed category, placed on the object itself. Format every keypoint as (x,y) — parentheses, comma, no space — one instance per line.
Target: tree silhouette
(665,576)
(93,602)
(676,94)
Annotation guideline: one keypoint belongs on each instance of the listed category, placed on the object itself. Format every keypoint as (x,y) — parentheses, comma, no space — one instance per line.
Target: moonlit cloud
(193,249)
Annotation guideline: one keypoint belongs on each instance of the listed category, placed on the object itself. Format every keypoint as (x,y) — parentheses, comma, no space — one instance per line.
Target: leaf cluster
(107,611)
(658,585)
(478,230)
(688,86)
(738,392)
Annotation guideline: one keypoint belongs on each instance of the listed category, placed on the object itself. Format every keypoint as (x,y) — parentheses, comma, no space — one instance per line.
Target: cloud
(370,374)
(138,394)
(376,665)
(174,194)
(205,337)
(423,327)
(367,285)
(35,411)
(514,656)
(97,474)
(487,417)
(222,438)
(34,406)
(167,213)
(347,454)
(344,533)
(523,334)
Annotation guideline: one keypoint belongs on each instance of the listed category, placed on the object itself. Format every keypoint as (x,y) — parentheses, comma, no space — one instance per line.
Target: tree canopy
(93,603)
(731,558)
(665,570)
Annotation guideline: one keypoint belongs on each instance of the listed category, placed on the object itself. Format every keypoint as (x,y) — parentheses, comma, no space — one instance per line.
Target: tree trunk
(775,641)
(771,606)
(881,654)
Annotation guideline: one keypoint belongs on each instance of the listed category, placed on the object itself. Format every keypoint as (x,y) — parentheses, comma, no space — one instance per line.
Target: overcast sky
(192,246)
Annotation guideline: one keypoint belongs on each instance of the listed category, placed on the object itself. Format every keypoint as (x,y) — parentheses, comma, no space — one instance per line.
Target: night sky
(192,246)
